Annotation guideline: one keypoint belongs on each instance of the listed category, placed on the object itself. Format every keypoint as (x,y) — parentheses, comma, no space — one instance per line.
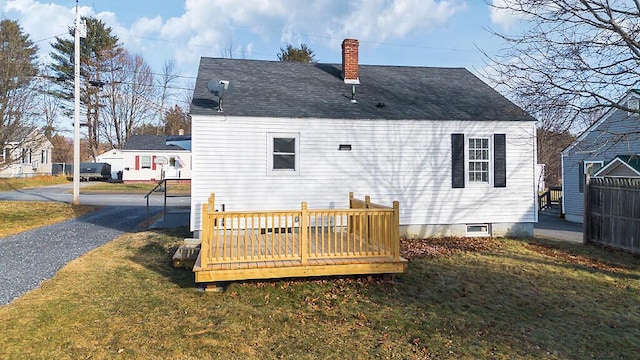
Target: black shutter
(581,176)
(457,160)
(499,161)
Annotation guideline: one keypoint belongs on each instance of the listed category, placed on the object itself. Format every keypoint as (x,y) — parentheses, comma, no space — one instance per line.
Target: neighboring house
(115,158)
(458,156)
(156,157)
(615,133)
(27,153)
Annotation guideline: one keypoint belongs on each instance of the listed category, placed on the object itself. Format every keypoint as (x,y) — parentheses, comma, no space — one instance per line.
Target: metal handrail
(160,187)
(155,189)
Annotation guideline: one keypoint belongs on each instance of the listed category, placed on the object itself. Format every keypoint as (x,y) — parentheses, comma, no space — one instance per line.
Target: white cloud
(502,16)
(207,26)
(381,20)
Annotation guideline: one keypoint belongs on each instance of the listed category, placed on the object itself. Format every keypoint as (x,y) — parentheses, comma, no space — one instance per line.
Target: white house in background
(27,153)
(458,156)
(156,157)
(115,158)
(614,135)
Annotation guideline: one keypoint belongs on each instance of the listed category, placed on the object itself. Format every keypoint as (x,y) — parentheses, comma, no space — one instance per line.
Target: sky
(441,33)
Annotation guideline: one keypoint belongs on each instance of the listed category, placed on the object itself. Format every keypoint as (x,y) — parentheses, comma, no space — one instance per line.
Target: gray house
(607,148)
(458,156)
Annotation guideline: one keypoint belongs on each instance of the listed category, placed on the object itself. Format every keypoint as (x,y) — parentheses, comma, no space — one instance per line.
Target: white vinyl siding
(407,160)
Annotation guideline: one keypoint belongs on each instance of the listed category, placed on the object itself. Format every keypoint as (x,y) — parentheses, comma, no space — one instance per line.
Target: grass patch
(499,299)
(18,216)
(9,184)
(141,188)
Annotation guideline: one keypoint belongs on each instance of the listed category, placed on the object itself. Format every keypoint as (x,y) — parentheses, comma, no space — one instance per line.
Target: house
(26,153)
(156,157)
(115,158)
(458,156)
(612,141)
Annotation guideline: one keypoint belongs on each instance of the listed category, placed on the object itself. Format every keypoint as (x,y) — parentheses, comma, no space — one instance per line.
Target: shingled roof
(150,142)
(298,90)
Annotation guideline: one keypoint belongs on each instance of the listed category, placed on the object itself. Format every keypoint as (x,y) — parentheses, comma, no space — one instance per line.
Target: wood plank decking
(363,239)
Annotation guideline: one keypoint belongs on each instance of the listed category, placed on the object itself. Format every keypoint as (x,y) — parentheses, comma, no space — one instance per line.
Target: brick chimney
(350,61)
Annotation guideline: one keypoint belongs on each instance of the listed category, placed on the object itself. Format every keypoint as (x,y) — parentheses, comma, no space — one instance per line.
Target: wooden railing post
(396,231)
(205,238)
(350,217)
(365,232)
(304,232)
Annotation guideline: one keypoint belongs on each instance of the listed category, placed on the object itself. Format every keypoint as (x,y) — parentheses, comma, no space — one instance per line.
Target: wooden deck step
(185,256)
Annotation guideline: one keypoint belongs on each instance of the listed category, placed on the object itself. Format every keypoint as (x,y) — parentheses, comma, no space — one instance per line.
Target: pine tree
(17,96)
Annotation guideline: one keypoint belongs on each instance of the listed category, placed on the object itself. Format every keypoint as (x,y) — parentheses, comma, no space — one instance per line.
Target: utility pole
(80,31)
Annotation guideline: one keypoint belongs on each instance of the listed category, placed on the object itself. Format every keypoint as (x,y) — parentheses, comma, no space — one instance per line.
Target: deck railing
(363,230)
(551,197)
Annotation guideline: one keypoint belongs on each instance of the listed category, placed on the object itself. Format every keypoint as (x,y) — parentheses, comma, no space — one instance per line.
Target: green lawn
(18,216)
(460,299)
(142,188)
(9,184)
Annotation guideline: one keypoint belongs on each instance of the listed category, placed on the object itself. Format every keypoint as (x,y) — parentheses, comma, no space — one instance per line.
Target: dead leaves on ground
(445,246)
(573,258)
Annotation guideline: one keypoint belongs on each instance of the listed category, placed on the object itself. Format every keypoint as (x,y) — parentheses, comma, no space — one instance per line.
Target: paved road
(62,193)
(28,258)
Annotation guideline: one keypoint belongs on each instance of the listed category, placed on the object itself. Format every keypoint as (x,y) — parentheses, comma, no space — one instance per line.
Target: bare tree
(164,81)
(128,97)
(574,57)
(17,95)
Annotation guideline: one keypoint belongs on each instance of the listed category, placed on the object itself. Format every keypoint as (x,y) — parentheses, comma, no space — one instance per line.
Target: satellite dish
(220,88)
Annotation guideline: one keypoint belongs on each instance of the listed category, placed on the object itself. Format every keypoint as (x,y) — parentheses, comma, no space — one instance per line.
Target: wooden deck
(299,243)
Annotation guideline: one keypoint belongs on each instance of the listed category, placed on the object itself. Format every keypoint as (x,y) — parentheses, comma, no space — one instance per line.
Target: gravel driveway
(28,258)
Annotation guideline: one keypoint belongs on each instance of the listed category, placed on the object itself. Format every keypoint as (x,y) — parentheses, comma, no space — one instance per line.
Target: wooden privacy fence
(365,230)
(612,212)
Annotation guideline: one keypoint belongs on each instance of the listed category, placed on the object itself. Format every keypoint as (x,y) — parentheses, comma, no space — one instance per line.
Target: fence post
(586,236)
(304,232)
(396,231)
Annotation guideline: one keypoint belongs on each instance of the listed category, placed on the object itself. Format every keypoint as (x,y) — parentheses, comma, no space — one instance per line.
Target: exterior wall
(115,158)
(32,166)
(615,134)
(181,170)
(408,161)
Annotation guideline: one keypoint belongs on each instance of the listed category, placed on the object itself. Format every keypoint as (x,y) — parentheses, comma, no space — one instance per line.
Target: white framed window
(592,167)
(283,153)
(145,162)
(478,229)
(44,157)
(479,155)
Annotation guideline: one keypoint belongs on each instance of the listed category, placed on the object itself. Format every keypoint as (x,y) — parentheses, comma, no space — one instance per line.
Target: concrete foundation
(516,230)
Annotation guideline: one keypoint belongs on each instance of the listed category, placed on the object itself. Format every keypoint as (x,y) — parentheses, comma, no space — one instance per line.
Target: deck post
(304,232)
(205,241)
(396,231)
